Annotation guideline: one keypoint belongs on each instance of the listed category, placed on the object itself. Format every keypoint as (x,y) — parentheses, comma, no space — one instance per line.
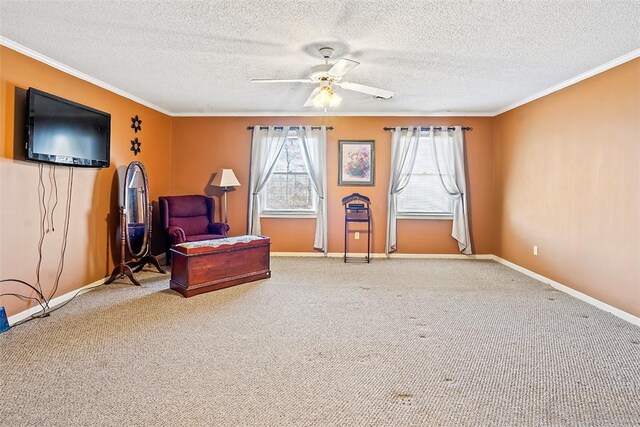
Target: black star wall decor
(136,124)
(135,146)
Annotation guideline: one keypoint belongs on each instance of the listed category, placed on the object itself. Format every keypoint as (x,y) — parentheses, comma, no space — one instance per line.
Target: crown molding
(333,113)
(580,77)
(79,74)
(76,73)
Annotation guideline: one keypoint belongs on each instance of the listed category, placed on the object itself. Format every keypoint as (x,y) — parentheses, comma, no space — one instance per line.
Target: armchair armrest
(219,228)
(176,234)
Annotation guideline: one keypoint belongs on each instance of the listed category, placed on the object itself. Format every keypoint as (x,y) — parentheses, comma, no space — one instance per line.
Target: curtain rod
(435,128)
(291,127)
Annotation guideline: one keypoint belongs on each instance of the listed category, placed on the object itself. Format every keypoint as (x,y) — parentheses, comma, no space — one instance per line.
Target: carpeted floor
(396,342)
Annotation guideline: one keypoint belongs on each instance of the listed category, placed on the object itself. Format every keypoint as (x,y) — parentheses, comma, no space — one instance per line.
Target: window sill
(288,215)
(425,216)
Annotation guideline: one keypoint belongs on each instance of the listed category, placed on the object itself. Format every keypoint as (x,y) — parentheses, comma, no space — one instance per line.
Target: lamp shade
(225,178)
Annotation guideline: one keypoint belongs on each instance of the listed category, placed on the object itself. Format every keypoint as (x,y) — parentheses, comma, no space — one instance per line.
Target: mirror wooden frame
(137,260)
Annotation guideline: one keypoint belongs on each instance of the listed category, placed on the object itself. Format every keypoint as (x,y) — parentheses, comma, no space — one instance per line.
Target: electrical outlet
(535,250)
(356,235)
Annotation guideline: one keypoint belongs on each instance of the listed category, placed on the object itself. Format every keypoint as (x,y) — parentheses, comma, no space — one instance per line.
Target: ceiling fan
(328,75)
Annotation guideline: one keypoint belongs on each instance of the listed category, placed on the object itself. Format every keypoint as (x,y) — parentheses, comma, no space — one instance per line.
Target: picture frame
(356,162)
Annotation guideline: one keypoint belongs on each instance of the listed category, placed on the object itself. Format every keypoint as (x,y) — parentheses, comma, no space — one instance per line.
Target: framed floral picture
(357,163)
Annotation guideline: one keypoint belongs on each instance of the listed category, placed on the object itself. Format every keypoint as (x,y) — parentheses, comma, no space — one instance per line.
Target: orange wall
(568,181)
(202,145)
(94,202)
(560,173)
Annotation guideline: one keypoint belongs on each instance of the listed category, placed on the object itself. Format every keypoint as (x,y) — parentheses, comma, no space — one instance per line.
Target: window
(424,196)
(289,190)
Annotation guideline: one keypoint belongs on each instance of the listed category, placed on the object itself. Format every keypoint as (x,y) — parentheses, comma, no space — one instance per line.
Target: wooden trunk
(195,270)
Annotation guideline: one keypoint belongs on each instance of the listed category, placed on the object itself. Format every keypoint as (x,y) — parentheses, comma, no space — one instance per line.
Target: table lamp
(224,179)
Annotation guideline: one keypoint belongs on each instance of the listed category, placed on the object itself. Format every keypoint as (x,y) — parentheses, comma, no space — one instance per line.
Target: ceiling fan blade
(309,102)
(369,90)
(282,81)
(342,67)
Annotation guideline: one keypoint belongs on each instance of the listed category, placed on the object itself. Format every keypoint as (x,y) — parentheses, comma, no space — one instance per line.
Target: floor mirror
(135,226)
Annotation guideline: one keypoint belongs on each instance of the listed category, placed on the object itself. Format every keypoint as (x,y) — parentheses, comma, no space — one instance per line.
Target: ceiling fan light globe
(335,101)
(322,97)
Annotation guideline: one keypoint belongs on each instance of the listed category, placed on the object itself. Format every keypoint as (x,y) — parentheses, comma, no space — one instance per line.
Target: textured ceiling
(438,56)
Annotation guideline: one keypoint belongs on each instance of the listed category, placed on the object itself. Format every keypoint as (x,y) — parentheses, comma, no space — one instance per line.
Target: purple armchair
(188,219)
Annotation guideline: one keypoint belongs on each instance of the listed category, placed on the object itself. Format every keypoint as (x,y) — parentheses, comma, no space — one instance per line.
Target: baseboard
(53,302)
(298,254)
(322,255)
(380,255)
(635,320)
(441,256)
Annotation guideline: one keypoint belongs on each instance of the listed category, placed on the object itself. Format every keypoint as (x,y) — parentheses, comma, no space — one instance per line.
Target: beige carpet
(396,342)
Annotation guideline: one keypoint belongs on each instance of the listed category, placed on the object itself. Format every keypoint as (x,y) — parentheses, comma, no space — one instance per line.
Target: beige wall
(93,218)
(567,181)
(202,145)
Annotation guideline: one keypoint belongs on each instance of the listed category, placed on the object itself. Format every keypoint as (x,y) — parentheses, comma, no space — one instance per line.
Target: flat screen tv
(65,132)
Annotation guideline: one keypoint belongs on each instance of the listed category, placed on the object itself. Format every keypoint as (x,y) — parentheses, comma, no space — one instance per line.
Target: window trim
(288,214)
(424,215)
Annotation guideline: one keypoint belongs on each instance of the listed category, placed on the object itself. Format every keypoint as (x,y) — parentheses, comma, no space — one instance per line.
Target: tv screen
(65,132)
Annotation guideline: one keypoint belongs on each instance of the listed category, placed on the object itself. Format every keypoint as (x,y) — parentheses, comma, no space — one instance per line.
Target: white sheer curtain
(266,145)
(404,145)
(313,142)
(447,147)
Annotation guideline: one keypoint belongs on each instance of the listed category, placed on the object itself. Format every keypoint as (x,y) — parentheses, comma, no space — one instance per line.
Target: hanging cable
(38,300)
(63,248)
(50,195)
(43,216)
(55,192)
(42,205)
(12,294)
(43,313)
(26,284)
